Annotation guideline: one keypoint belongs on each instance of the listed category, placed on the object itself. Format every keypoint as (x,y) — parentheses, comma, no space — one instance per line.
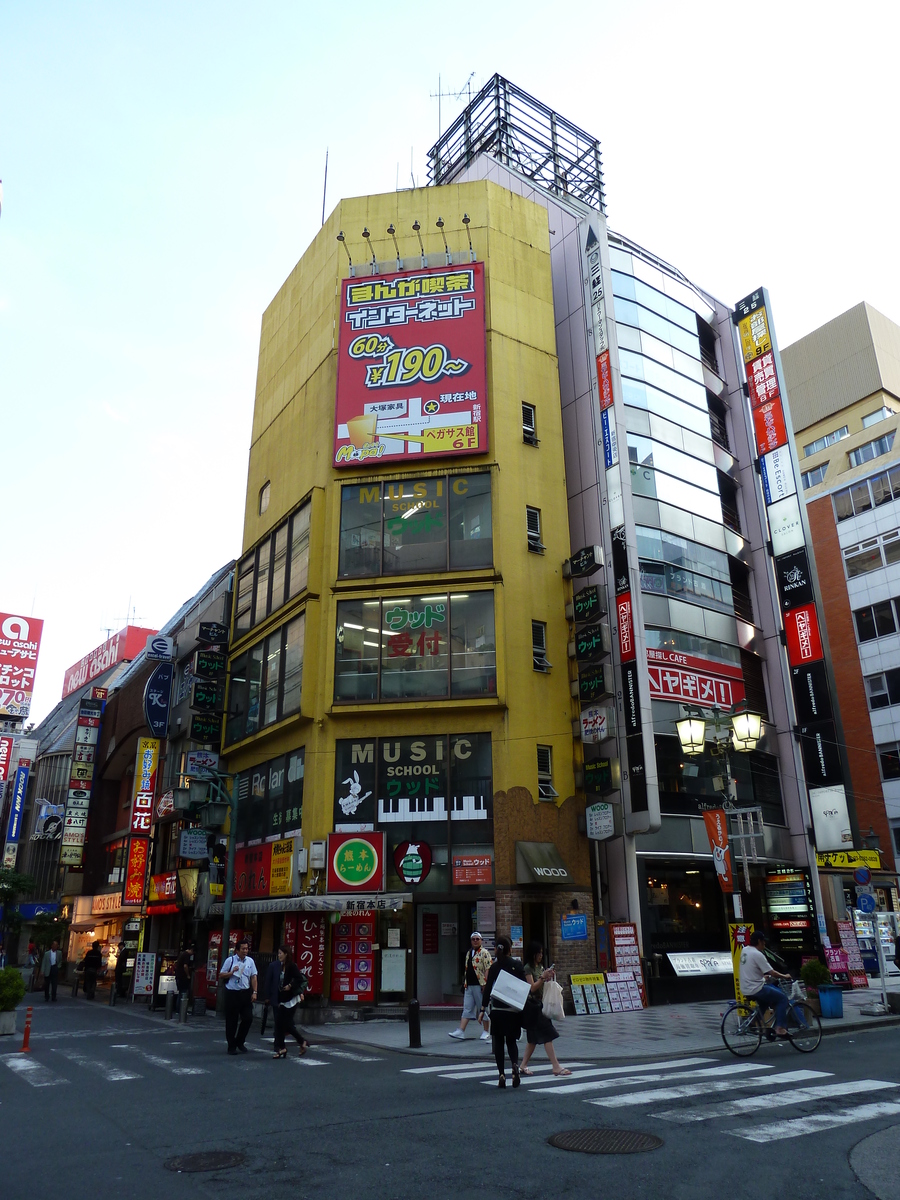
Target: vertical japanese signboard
(412,376)
(20,641)
(819,740)
(81,781)
(145,768)
(16,808)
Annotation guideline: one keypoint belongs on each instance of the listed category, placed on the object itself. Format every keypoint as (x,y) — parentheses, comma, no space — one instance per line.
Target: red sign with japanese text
(716,823)
(412,375)
(471,869)
(604,380)
(135,872)
(6,749)
(20,641)
(304,934)
(252,871)
(121,647)
(762,380)
(356,862)
(690,680)
(625,619)
(768,422)
(804,644)
(146,764)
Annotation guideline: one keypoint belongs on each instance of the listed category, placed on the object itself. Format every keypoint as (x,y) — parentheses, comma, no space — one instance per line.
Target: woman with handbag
(291,985)
(539,1029)
(506,1021)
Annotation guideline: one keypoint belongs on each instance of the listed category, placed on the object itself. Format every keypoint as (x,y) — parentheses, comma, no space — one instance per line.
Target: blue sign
(574,927)
(18,804)
(157,697)
(29,911)
(610,441)
(862,876)
(865,902)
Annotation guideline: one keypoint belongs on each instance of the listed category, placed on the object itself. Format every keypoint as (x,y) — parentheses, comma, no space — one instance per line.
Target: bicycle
(745,1025)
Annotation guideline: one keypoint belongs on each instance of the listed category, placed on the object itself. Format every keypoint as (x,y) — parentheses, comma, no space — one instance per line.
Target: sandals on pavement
(564,1071)
(525,1071)
(280,1054)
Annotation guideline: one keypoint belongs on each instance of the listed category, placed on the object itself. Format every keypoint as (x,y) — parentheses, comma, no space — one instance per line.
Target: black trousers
(284,1026)
(50,981)
(238,1016)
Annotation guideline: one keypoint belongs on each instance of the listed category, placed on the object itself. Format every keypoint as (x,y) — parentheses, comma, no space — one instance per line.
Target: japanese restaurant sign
(412,378)
(81,780)
(356,862)
(20,641)
(135,871)
(146,764)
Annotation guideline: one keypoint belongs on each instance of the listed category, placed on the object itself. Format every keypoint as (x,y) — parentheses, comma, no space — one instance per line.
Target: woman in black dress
(539,1030)
(291,984)
(506,1022)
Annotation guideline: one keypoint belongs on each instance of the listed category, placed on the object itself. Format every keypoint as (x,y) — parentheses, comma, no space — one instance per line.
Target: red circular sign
(412,861)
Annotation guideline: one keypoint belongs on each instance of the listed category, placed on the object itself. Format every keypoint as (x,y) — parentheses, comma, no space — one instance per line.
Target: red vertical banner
(309,948)
(625,617)
(716,823)
(353,957)
(135,872)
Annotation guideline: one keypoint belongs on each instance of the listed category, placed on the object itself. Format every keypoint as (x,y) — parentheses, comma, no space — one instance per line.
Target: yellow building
(398,663)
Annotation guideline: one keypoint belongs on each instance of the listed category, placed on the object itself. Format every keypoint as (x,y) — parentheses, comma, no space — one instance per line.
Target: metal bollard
(112,996)
(182,1009)
(415,1027)
(26,1040)
(170,1005)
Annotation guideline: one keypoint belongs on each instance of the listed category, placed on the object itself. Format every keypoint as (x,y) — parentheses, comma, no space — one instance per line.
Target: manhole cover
(605,1141)
(209,1160)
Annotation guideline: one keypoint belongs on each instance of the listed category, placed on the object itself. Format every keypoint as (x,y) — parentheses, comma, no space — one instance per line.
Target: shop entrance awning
(389,901)
(540,862)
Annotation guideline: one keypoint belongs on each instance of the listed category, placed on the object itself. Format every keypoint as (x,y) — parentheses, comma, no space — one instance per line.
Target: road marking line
(347,1054)
(107,1070)
(643,1077)
(32,1072)
(309,1062)
(542,1068)
(632,1069)
(701,1089)
(733,1108)
(779,1130)
(448,1066)
(157,1060)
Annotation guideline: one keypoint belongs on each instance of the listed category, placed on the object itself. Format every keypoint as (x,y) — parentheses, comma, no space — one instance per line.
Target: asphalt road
(108,1096)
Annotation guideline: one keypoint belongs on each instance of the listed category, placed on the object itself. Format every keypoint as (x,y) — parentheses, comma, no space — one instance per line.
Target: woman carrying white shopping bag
(545,994)
(506,991)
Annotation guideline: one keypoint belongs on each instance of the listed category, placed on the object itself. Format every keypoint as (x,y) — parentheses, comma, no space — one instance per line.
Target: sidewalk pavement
(672,1029)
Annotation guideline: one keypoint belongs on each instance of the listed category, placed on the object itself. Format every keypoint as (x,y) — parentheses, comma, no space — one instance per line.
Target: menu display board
(626,957)
(849,944)
(353,959)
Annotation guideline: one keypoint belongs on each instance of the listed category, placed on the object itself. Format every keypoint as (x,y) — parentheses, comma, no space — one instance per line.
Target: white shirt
(52,958)
(241,982)
(754,968)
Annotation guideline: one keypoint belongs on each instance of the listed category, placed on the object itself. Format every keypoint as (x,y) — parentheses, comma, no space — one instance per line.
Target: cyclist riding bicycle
(755,969)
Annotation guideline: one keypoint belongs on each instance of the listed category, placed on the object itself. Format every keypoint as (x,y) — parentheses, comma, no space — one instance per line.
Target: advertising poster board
(20,642)
(144,969)
(412,377)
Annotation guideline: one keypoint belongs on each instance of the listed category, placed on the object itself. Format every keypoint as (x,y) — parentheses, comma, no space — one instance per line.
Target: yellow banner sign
(597,977)
(738,937)
(850,859)
(281,878)
(754,334)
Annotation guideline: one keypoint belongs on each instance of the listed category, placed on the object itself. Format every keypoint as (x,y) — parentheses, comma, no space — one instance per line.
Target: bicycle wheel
(741,1031)
(803,1027)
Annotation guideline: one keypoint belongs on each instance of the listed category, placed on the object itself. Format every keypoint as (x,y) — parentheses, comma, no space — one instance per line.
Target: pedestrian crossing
(649,1087)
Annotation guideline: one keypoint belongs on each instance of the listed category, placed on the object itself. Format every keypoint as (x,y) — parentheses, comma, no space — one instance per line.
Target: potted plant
(815,975)
(12,989)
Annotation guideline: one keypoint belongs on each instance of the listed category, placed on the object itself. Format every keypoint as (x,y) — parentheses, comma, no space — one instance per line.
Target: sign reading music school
(412,377)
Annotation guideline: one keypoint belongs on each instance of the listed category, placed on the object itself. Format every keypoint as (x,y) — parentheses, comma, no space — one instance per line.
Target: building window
(529,425)
(875,621)
(271,799)
(889,761)
(867,493)
(865,453)
(264,493)
(276,571)
(883,689)
(414,526)
(533,529)
(546,790)
(266,682)
(880,414)
(872,554)
(421,647)
(828,440)
(816,475)
(539,645)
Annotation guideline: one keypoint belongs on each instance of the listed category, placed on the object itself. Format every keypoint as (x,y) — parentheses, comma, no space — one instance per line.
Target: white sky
(162,168)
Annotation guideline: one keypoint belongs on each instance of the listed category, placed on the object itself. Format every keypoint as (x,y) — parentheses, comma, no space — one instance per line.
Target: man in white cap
(478,963)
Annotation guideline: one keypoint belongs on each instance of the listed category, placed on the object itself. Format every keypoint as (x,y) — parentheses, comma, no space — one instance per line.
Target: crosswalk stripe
(306,1061)
(97,1065)
(542,1068)
(779,1130)
(653,1077)
(32,1072)
(733,1108)
(655,1095)
(475,1066)
(347,1054)
(596,1072)
(166,1064)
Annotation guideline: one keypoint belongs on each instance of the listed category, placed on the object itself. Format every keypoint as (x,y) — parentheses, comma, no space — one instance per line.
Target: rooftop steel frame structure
(520,132)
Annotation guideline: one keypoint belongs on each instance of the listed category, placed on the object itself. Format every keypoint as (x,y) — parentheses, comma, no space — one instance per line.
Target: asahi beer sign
(20,642)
